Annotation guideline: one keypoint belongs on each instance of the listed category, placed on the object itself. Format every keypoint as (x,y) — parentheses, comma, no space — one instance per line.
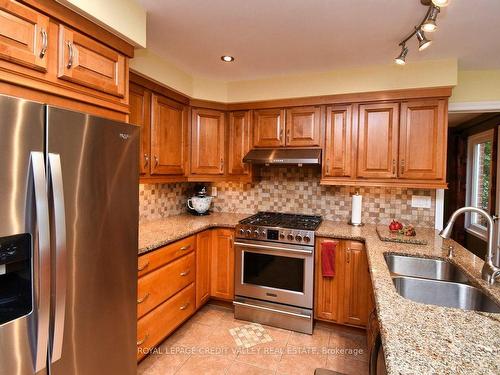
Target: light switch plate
(421,201)
(214,191)
(2,269)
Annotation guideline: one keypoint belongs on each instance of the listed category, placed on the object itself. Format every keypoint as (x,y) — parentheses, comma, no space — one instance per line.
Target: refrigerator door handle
(59,236)
(42,258)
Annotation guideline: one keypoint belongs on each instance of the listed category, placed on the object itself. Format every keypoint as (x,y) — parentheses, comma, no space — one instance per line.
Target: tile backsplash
(292,189)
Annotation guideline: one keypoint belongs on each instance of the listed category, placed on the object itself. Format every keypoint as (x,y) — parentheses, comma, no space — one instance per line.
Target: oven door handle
(267,247)
(272,310)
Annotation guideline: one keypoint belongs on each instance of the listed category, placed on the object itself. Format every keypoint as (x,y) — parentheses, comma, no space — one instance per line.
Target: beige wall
(126,18)
(374,78)
(477,86)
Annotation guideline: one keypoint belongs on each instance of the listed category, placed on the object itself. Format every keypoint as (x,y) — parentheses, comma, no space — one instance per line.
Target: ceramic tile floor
(203,346)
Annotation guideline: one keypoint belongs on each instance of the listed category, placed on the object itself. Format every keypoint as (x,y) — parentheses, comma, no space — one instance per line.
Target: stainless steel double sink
(436,282)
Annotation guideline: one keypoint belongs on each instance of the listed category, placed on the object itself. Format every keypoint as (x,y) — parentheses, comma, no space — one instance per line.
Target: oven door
(274,272)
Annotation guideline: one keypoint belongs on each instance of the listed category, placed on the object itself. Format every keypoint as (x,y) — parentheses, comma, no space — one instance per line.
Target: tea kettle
(199,204)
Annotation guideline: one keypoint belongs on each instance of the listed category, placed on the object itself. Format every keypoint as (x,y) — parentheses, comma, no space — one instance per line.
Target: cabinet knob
(157,162)
(184,307)
(146,160)
(185,273)
(348,255)
(222,164)
(143,267)
(394,166)
(402,163)
(141,300)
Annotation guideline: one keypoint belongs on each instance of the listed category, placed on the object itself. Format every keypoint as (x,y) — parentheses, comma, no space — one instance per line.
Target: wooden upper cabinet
(303,127)
(207,142)
(23,35)
(140,114)
(169,130)
(87,62)
(378,140)
(422,139)
(357,283)
(338,141)
(238,142)
(328,290)
(222,267)
(269,128)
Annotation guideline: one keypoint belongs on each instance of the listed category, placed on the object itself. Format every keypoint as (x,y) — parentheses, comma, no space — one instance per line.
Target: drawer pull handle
(143,267)
(184,307)
(141,300)
(185,273)
(140,342)
(187,247)
(70,58)
(43,51)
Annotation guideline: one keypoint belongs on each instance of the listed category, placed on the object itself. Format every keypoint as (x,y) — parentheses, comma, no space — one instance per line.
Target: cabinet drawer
(89,63)
(23,35)
(160,322)
(165,254)
(158,286)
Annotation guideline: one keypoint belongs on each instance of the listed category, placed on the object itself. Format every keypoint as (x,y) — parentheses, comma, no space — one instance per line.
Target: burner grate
(283,220)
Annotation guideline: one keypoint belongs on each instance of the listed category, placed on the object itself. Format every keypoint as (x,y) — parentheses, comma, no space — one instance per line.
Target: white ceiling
(279,37)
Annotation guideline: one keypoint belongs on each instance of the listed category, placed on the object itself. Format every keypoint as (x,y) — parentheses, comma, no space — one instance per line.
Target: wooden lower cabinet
(203,257)
(160,285)
(345,298)
(159,323)
(222,265)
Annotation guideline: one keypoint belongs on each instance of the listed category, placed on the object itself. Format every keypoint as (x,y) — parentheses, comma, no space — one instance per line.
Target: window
(479,154)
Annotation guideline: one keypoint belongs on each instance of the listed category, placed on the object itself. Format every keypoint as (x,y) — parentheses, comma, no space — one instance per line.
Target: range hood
(288,156)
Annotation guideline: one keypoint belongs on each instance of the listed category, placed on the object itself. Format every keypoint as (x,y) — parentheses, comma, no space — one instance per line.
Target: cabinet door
(303,127)
(422,147)
(328,290)
(203,255)
(356,302)
(269,128)
(222,271)
(169,126)
(23,35)
(338,146)
(140,114)
(207,142)
(239,142)
(89,63)
(378,140)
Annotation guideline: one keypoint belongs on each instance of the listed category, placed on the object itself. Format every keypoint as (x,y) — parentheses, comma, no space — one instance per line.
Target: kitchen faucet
(489,272)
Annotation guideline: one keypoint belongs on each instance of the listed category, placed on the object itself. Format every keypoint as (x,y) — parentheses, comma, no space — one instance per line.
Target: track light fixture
(423,42)
(401,59)
(428,24)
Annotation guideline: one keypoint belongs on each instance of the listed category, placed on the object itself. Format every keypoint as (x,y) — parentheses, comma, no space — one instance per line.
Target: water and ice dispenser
(15,277)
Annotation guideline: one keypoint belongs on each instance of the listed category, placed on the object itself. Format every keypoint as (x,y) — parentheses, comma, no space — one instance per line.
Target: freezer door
(95,331)
(24,239)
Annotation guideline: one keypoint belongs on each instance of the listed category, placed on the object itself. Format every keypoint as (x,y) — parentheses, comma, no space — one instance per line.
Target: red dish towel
(328,259)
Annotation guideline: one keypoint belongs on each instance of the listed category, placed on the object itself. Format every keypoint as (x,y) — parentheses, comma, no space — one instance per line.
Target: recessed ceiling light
(227,58)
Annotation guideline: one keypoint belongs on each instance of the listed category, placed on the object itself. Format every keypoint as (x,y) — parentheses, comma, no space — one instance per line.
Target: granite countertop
(417,338)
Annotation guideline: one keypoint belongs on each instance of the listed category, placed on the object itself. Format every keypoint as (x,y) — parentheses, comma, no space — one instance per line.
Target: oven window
(274,271)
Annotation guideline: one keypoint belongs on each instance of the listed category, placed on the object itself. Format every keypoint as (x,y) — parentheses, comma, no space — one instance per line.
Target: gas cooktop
(280,227)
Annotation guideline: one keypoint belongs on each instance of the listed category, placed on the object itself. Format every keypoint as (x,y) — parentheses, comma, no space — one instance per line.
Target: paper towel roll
(356,209)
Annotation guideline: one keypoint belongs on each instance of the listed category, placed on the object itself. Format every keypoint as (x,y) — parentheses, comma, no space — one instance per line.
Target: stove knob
(248,232)
(298,238)
(282,236)
(290,237)
(263,234)
(242,232)
(307,239)
(256,233)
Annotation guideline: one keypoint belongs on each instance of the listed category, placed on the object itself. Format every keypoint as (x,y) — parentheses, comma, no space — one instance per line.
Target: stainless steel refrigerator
(68,242)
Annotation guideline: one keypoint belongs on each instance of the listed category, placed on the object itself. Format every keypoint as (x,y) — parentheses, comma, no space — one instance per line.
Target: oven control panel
(303,237)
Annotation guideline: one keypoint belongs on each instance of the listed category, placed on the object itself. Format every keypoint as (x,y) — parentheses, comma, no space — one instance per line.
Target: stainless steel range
(274,270)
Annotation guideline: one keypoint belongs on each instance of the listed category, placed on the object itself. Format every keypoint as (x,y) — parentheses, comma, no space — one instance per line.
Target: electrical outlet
(214,191)
(421,201)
